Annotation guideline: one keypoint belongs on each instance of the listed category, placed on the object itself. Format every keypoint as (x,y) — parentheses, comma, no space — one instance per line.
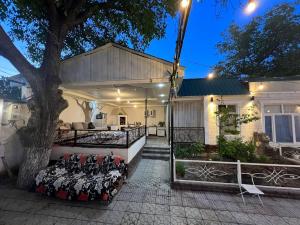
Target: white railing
(223,173)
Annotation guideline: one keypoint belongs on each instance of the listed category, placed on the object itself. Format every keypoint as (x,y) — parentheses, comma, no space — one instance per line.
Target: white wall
(244,106)
(127,154)
(1,111)
(73,113)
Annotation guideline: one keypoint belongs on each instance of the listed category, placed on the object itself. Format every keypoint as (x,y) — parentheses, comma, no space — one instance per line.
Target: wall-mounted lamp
(211,99)
(252,98)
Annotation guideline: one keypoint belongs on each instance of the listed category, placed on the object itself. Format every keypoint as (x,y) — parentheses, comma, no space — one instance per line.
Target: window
(282,122)
(229,126)
(297,128)
(291,109)
(268,127)
(272,108)
(284,128)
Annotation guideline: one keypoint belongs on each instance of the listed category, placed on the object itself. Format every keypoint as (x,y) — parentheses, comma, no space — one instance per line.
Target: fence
(99,138)
(276,176)
(188,134)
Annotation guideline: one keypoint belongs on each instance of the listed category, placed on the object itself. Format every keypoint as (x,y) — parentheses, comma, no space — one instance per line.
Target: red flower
(62,194)
(83,197)
(41,189)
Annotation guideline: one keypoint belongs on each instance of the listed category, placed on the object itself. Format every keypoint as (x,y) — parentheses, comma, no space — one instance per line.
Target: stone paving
(147,199)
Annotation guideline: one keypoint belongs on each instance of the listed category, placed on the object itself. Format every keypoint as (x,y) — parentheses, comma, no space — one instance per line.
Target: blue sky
(206,23)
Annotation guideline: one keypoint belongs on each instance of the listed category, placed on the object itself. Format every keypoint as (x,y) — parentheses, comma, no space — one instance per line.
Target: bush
(236,149)
(189,150)
(180,170)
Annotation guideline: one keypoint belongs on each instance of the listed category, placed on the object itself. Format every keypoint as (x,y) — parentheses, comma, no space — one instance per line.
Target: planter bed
(83,177)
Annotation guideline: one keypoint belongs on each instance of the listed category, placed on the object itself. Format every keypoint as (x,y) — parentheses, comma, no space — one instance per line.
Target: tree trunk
(34,160)
(39,134)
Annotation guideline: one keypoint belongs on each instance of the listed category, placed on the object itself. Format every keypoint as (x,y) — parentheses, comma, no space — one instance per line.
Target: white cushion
(252,189)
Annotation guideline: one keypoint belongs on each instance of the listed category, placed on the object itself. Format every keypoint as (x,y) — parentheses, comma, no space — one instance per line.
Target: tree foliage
(229,122)
(268,46)
(90,23)
(55,29)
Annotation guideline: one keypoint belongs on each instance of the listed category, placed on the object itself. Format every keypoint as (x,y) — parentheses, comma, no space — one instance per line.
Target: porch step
(157,151)
(155,156)
(157,147)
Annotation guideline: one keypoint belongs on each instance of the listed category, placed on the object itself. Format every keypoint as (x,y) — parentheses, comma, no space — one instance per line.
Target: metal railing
(188,134)
(272,176)
(99,138)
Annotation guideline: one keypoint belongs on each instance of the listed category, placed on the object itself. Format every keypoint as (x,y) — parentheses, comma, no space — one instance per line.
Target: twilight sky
(206,23)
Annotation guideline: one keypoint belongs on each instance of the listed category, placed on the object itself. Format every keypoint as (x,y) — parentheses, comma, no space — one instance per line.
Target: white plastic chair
(248,188)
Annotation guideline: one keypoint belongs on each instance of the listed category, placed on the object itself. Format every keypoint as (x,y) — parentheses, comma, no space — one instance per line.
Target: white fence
(220,173)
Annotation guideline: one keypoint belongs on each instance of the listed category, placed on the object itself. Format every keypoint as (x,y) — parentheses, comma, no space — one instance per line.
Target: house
(13,108)
(125,90)
(276,100)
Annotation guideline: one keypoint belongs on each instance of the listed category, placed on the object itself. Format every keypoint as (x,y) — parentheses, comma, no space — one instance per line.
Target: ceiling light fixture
(162,95)
(135,106)
(118,99)
(160,85)
(119,91)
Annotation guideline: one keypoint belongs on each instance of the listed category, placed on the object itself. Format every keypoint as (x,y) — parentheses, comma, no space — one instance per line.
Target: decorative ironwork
(280,176)
(275,177)
(206,172)
(188,134)
(99,138)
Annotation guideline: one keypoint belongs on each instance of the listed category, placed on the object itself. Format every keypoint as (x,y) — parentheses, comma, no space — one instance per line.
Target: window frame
(237,111)
(274,140)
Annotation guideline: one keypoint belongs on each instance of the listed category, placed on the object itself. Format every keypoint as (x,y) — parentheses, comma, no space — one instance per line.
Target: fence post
(127,138)
(75,137)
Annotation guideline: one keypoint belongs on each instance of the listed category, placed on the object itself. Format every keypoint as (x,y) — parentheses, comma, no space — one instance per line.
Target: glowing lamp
(210,76)
(251,6)
(184,3)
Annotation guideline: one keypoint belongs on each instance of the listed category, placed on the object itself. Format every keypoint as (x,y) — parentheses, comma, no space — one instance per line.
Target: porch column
(1,115)
(146,110)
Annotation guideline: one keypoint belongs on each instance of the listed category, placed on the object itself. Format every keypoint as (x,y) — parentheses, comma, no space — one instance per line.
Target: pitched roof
(217,86)
(262,79)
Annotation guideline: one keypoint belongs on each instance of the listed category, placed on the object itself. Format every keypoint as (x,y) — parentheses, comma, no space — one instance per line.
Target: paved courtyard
(147,199)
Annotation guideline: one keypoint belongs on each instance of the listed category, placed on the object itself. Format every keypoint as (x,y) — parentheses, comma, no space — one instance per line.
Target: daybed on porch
(83,177)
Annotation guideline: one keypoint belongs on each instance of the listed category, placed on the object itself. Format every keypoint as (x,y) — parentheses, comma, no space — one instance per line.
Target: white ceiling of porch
(125,95)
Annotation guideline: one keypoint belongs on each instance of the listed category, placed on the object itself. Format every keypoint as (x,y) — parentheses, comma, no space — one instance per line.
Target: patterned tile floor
(147,199)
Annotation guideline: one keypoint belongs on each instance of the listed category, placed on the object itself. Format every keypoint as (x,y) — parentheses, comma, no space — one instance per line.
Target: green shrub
(180,170)
(262,159)
(187,151)
(236,149)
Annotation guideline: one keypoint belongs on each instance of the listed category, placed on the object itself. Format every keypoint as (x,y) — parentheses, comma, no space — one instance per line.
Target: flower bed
(83,177)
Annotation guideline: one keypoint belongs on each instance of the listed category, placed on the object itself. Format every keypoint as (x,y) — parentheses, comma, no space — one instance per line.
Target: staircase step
(155,156)
(157,147)
(157,151)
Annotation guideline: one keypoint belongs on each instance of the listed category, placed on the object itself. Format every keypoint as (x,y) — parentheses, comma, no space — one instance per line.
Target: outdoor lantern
(251,6)
(252,98)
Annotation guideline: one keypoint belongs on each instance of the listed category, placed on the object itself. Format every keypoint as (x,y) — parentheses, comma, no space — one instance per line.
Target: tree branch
(9,51)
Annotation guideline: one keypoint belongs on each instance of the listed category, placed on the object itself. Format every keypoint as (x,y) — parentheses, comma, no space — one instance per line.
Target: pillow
(77,126)
(85,126)
(91,126)
(63,128)
(68,125)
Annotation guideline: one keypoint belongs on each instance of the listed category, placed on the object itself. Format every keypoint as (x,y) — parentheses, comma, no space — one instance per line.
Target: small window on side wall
(272,109)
